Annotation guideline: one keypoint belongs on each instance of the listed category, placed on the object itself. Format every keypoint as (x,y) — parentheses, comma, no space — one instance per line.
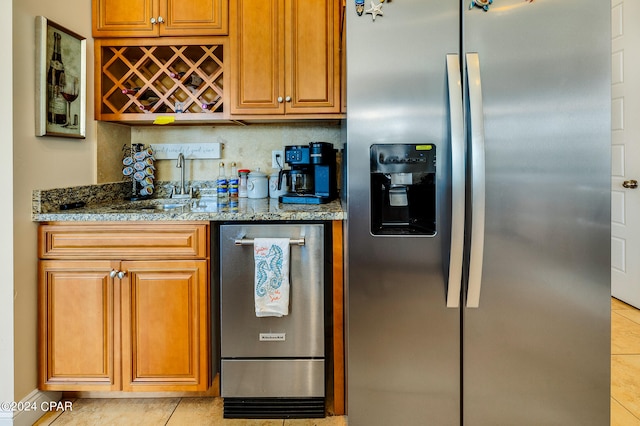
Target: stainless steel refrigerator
(478,231)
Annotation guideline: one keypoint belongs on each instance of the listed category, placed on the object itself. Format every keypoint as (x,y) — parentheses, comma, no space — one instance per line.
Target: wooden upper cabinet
(285,56)
(155,18)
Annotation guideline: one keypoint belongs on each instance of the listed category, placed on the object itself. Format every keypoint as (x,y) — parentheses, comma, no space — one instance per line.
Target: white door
(625,167)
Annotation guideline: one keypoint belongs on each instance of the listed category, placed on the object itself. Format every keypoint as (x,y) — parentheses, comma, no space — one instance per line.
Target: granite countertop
(107,203)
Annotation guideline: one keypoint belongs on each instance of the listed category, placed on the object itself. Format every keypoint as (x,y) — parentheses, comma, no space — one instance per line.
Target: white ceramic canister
(257,185)
(274,192)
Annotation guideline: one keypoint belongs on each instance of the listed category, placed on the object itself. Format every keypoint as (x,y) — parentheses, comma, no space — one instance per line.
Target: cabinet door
(285,57)
(78,326)
(124,18)
(312,56)
(153,18)
(165,326)
(194,17)
(257,56)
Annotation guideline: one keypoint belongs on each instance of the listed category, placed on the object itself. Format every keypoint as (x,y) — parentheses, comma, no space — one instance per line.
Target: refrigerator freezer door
(536,350)
(404,343)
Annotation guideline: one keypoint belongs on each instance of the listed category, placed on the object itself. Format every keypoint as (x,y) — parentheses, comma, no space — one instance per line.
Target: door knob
(631,184)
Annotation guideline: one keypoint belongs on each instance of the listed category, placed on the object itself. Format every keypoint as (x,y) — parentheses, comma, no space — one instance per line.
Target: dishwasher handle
(249,242)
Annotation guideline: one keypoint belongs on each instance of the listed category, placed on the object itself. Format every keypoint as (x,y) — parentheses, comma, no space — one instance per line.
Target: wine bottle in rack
(131,91)
(177,75)
(149,95)
(193,82)
(211,105)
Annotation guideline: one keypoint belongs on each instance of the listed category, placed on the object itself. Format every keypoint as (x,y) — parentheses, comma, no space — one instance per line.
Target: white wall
(39,163)
(6,219)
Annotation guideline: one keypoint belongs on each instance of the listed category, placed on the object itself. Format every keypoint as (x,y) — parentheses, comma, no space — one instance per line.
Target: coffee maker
(312,174)
(403,194)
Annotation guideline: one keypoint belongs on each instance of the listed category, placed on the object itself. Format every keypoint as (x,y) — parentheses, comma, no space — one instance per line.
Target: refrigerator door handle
(456,118)
(476,123)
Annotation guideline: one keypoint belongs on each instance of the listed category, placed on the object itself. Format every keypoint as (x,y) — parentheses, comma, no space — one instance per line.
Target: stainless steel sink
(165,207)
(146,206)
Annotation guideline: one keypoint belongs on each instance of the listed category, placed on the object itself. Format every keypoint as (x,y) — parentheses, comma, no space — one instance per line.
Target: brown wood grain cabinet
(285,57)
(158,18)
(124,307)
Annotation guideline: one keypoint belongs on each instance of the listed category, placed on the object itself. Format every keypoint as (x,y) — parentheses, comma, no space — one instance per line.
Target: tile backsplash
(248,146)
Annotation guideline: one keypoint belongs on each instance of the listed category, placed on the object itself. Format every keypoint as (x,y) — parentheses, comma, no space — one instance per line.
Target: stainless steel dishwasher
(272,367)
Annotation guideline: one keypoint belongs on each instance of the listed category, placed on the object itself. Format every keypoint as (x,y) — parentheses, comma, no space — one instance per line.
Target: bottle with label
(242,183)
(233,181)
(57,107)
(222,183)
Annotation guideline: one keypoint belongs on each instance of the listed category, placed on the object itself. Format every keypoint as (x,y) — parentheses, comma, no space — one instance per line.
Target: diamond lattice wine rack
(181,78)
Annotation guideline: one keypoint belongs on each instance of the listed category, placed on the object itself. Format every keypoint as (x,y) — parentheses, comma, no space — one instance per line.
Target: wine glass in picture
(70,93)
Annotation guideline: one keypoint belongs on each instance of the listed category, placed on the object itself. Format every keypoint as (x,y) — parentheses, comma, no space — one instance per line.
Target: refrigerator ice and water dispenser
(403,194)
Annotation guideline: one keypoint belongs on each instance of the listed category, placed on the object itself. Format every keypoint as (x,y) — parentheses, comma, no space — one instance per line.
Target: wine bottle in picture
(57,106)
(52,76)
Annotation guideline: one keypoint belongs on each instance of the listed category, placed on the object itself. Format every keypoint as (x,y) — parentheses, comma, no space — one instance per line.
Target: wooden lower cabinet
(124,325)
(164,326)
(79,336)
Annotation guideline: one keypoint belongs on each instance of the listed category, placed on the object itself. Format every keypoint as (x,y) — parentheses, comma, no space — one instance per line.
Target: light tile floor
(625,364)
(625,394)
(162,411)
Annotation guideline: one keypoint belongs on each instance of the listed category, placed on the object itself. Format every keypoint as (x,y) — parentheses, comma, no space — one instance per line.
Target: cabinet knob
(121,274)
(288,99)
(280,99)
(160,19)
(153,21)
(113,273)
(631,184)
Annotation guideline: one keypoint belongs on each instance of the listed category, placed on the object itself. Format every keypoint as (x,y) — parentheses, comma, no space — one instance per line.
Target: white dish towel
(271,257)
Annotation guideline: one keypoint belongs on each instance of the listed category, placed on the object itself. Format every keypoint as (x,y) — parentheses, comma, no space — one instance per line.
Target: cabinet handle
(288,99)
(280,99)
(121,274)
(113,273)
(249,242)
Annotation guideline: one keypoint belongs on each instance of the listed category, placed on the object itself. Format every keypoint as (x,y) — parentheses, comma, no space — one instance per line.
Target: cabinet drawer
(123,241)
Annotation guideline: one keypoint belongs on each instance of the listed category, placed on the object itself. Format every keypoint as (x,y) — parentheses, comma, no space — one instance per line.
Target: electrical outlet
(277,159)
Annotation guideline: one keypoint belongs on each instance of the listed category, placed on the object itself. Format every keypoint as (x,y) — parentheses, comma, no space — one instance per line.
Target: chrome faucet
(182,191)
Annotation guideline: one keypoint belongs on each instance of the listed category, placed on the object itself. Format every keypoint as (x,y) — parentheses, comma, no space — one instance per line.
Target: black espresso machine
(312,174)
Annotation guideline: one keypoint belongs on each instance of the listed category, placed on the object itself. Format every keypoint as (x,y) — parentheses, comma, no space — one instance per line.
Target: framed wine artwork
(61,86)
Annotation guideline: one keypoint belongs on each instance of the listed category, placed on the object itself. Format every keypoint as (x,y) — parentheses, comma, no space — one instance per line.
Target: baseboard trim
(37,400)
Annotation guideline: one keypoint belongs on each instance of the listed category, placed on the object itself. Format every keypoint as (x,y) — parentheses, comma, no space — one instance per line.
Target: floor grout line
(626,409)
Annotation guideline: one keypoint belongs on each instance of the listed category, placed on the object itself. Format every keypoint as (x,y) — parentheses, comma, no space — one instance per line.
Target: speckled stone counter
(107,203)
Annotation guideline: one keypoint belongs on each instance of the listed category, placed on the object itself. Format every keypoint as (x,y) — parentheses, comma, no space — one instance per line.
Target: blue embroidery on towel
(269,273)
